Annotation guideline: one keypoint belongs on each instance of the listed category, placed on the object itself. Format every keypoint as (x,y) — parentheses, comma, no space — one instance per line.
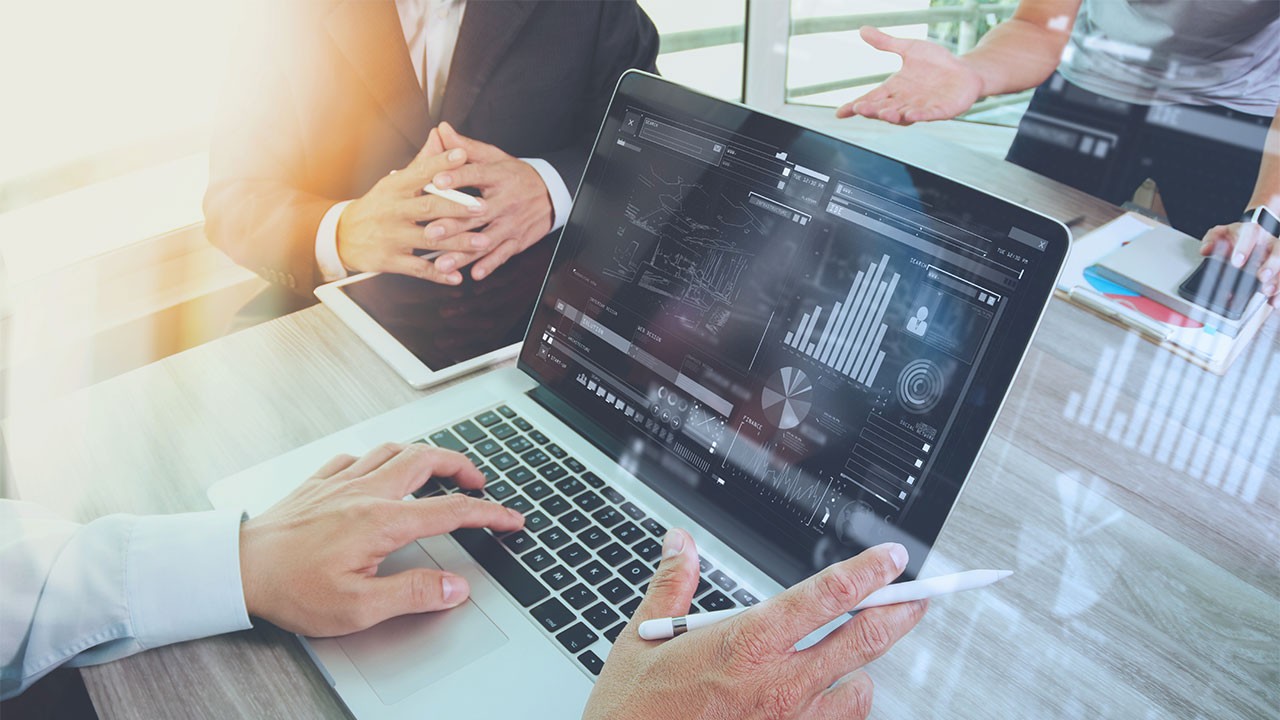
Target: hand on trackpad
(405,654)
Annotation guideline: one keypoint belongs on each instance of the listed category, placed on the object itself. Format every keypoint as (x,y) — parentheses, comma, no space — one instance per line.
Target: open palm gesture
(933,84)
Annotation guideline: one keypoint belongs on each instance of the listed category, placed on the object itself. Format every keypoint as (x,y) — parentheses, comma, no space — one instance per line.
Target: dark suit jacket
(323,101)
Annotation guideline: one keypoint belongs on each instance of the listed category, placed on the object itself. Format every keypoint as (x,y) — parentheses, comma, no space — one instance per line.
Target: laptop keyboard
(582,562)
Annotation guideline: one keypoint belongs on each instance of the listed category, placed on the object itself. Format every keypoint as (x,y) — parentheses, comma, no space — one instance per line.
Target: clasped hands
(382,230)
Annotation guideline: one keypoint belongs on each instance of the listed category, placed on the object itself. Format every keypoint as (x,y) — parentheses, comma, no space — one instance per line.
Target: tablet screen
(444,325)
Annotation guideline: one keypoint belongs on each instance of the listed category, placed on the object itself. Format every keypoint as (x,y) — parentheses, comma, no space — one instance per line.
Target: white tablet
(429,333)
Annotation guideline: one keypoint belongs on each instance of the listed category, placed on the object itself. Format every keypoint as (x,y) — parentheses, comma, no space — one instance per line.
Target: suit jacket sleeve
(256,207)
(625,39)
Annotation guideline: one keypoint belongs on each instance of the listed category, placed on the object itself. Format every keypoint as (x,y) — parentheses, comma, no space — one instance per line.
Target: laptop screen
(799,342)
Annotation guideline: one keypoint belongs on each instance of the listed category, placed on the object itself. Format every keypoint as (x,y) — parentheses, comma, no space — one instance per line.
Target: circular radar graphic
(920,386)
(786,398)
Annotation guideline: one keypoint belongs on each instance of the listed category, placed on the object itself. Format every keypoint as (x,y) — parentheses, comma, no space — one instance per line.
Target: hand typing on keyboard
(309,563)
(747,666)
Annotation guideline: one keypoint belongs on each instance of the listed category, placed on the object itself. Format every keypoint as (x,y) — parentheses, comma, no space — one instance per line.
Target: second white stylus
(665,628)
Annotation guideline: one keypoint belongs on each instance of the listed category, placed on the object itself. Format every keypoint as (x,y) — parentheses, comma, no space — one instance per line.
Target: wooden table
(1134,494)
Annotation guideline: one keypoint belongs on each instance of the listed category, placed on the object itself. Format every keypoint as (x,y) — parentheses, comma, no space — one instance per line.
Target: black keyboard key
(613,496)
(555,505)
(703,586)
(574,465)
(556,451)
(593,480)
(574,555)
(724,581)
(628,532)
(593,537)
(502,431)
(537,436)
(489,473)
(500,490)
(648,549)
(518,542)
(570,486)
(487,447)
(615,554)
(477,494)
(557,577)
(607,516)
(504,568)
(612,633)
(448,441)
(520,475)
(554,537)
(522,423)
(616,591)
(636,572)
(715,600)
(591,662)
(432,486)
(535,521)
(573,521)
(469,431)
(503,461)
(577,638)
(553,615)
(552,471)
(594,573)
(520,504)
(488,418)
(588,501)
(704,565)
(519,444)
(630,607)
(506,412)
(538,490)
(635,512)
(654,527)
(745,598)
(475,459)
(600,616)
(579,596)
(534,457)
(538,559)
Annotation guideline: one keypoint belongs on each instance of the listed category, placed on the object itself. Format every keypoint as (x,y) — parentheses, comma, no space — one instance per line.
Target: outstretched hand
(933,84)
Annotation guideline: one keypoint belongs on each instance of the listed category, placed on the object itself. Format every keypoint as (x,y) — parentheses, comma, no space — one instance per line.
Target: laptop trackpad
(403,655)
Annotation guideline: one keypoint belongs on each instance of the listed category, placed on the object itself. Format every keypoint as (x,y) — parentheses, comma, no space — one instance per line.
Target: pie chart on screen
(786,398)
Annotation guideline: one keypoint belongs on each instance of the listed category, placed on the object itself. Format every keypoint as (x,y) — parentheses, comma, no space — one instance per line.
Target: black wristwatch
(1263,217)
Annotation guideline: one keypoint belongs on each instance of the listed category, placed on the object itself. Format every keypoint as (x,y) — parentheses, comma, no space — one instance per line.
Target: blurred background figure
(1172,98)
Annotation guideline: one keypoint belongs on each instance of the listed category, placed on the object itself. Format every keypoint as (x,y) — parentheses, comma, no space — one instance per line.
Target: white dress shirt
(89,594)
(431,32)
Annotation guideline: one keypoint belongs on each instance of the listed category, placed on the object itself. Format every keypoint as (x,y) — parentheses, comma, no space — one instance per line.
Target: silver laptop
(788,345)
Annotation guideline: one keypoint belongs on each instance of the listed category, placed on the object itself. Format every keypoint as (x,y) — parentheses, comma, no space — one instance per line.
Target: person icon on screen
(917,324)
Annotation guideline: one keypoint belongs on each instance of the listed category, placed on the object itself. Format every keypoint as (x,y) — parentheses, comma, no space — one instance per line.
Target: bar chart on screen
(850,341)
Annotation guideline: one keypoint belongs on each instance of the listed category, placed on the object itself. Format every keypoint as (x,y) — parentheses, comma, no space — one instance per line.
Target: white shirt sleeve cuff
(182,577)
(327,259)
(561,200)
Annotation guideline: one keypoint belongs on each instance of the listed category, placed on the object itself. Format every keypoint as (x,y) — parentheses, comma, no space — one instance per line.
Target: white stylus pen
(664,628)
(459,197)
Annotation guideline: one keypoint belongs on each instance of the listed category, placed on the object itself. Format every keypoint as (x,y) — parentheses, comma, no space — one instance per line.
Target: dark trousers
(1203,159)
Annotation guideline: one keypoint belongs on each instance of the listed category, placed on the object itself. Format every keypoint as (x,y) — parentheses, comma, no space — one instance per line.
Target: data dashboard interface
(799,342)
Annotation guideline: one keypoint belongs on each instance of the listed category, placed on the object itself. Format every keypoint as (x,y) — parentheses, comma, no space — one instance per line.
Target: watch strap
(1263,217)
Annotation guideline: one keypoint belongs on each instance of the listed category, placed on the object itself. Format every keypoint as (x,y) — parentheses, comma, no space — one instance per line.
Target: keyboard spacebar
(507,570)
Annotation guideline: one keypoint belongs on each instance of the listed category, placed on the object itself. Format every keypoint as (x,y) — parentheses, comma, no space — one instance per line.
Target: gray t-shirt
(1197,52)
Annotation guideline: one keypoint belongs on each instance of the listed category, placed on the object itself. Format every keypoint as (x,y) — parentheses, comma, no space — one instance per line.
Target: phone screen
(1221,288)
